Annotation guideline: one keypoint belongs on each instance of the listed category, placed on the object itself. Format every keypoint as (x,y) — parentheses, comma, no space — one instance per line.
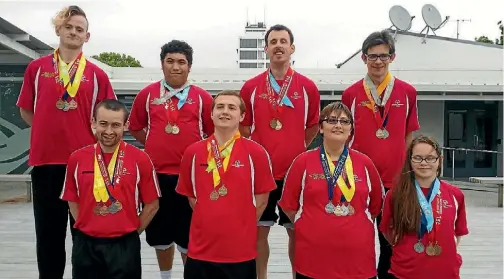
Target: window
(248,65)
(248,55)
(248,43)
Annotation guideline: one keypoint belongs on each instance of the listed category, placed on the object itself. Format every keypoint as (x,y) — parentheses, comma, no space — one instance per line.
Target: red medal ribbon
(432,235)
(216,154)
(380,120)
(112,186)
(171,111)
(274,100)
(71,74)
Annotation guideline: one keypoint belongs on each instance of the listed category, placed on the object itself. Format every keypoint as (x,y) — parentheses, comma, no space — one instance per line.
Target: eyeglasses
(419,159)
(334,121)
(374,57)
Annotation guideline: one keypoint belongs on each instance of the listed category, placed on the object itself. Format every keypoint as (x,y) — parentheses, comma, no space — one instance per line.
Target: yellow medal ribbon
(348,192)
(99,188)
(225,151)
(380,89)
(64,75)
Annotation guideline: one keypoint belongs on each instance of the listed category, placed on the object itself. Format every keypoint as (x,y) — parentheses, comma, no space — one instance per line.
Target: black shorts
(301,276)
(172,221)
(269,216)
(104,258)
(196,269)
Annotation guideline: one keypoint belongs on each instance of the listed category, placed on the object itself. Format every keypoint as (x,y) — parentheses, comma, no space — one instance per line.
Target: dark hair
(114,105)
(230,93)
(279,27)
(338,108)
(405,206)
(176,46)
(379,38)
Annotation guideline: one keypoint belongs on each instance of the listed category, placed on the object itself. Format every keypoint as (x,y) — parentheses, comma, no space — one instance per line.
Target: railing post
(453,164)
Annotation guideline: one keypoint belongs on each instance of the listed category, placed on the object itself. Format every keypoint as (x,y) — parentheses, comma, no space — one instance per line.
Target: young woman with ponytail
(424,217)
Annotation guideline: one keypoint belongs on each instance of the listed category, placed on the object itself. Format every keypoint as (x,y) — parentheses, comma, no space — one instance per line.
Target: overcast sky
(326,31)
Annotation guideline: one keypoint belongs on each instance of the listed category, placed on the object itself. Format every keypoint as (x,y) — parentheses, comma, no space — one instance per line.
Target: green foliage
(484,39)
(115,59)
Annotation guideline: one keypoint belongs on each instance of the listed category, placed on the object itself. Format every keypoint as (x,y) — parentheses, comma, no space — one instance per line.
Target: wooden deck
(481,250)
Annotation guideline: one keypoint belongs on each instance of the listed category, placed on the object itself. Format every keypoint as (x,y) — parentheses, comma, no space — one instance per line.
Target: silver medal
(419,247)
(344,210)
(329,208)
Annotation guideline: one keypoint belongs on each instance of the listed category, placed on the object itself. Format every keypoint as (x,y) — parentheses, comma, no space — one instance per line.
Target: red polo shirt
(194,121)
(406,263)
(138,185)
(402,120)
(225,230)
(283,145)
(330,246)
(55,134)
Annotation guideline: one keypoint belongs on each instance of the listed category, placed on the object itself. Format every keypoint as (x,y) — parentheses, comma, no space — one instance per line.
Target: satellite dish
(431,16)
(432,19)
(400,18)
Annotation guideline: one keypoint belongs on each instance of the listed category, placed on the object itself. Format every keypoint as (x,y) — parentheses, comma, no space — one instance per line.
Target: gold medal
(73,104)
(175,130)
(275,124)
(169,129)
(223,191)
(66,106)
(60,104)
(437,249)
(351,210)
(338,211)
(96,210)
(103,210)
(430,250)
(214,195)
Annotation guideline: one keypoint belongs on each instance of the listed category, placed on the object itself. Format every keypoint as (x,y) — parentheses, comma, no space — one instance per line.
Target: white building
(459,86)
(251,47)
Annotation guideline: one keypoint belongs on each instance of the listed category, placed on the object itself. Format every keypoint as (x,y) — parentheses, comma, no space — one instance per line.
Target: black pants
(385,252)
(106,258)
(300,276)
(51,220)
(196,269)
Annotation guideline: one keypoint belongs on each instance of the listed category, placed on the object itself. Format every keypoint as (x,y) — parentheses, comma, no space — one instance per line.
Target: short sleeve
(148,184)
(246,94)
(70,191)
(264,182)
(377,190)
(138,118)
(26,99)
(461,221)
(105,90)
(206,113)
(387,215)
(412,123)
(313,104)
(289,200)
(185,183)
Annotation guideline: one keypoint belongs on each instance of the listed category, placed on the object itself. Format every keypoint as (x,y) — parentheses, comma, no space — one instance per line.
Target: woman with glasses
(424,218)
(332,194)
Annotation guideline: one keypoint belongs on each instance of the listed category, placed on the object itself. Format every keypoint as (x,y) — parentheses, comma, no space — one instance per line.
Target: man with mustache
(227,179)
(167,116)
(386,115)
(283,109)
(57,99)
(105,185)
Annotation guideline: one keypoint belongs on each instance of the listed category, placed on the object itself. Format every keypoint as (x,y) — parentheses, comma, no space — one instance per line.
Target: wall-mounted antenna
(458,23)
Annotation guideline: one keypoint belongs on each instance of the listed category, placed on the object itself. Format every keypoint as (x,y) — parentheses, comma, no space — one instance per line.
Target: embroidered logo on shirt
(237,164)
(397,104)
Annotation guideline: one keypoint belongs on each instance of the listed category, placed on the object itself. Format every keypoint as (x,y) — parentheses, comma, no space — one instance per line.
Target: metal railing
(453,149)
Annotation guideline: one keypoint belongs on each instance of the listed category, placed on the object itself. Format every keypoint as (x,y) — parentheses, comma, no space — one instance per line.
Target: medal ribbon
(105,177)
(171,111)
(344,160)
(427,214)
(69,81)
(274,100)
(216,153)
(373,94)
(180,93)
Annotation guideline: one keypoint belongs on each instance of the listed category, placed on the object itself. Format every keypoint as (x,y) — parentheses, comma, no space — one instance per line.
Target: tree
(484,39)
(115,59)
(501,27)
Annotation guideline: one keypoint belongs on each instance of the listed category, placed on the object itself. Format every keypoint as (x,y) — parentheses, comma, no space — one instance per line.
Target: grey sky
(325,33)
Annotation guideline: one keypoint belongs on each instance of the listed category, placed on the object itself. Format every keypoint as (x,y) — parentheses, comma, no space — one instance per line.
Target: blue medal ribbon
(427,220)
(276,87)
(331,179)
(181,95)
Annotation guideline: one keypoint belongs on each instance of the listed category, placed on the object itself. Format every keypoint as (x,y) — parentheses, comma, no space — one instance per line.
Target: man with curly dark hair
(167,116)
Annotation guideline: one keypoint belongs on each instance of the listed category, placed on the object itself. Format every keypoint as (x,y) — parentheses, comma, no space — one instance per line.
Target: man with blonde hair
(57,99)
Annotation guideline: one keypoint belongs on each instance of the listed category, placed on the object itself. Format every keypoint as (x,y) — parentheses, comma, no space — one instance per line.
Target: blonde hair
(63,16)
